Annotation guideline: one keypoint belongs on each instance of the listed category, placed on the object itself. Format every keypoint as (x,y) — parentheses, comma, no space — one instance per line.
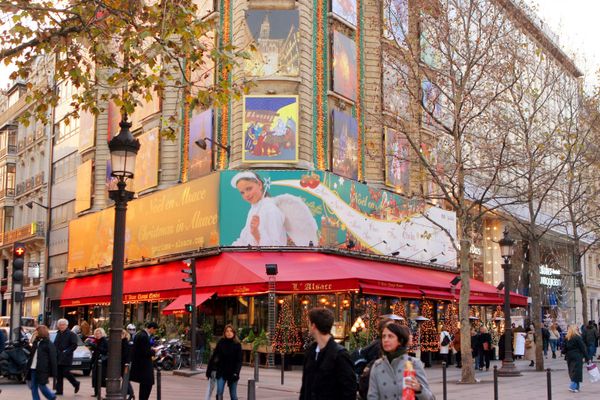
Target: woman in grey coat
(386,380)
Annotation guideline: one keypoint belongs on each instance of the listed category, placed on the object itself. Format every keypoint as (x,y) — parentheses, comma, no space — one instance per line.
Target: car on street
(27,324)
(82,357)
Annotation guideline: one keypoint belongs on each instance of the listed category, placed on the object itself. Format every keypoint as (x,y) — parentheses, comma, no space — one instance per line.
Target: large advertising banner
(171,221)
(278,208)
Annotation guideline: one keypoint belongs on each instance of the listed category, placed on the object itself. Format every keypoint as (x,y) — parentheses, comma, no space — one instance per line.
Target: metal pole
(158,384)
(194,317)
(549,382)
(495,382)
(272,318)
(113,379)
(251,389)
(445,389)
(256,362)
(508,366)
(99,379)
(282,366)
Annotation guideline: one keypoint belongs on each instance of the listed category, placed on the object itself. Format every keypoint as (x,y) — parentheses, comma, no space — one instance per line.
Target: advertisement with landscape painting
(397,161)
(297,208)
(345,144)
(199,160)
(274,43)
(344,66)
(270,129)
(345,9)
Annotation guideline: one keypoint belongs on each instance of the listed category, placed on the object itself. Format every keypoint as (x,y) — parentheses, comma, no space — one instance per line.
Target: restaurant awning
(178,305)
(243,274)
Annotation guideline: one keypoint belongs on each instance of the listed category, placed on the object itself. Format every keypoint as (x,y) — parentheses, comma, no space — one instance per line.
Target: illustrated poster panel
(345,9)
(397,165)
(344,65)
(395,20)
(270,129)
(146,163)
(279,208)
(345,145)
(396,98)
(199,160)
(431,103)
(274,40)
(205,7)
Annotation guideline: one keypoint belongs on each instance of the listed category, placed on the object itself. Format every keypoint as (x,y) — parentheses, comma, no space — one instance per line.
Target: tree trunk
(468,372)
(580,281)
(536,301)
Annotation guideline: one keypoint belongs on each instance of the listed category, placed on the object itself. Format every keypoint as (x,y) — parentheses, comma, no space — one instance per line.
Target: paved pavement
(531,385)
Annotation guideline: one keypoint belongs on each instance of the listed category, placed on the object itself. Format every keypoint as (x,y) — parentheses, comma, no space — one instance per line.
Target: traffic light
(18,262)
(190,271)
(189,308)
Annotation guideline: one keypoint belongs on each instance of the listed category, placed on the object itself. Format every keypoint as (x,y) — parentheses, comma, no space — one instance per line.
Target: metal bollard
(256,365)
(495,382)
(282,366)
(445,389)
(99,379)
(251,389)
(549,382)
(158,384)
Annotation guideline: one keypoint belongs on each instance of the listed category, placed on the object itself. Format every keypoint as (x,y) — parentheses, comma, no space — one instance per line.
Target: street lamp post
(123,150)
(507,250)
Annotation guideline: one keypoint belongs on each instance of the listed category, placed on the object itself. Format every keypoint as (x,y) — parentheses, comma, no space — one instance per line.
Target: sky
(574,21)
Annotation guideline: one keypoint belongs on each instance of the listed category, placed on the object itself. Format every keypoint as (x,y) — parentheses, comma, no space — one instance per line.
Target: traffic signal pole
(191,271)
(16,309)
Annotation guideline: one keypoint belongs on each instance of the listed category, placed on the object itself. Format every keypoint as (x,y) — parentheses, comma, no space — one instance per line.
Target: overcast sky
(574,21)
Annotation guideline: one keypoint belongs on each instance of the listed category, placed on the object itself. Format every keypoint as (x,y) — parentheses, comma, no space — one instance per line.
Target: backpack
(446,340)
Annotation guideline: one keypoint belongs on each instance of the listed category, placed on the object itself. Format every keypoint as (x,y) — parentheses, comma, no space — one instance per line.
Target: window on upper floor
(65,168)
(11,176)
(57,266)
(63,213)
(9,218)
(64,131)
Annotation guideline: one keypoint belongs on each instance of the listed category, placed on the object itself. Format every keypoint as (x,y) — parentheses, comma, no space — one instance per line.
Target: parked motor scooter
(163,358)
(13,360)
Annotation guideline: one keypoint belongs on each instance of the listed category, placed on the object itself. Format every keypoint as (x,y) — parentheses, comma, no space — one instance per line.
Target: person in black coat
(484,346)
(226,361)
(142,370)
(126,359)
(65,343)
(99,347)
(575,352)
(42,364)
(327,372)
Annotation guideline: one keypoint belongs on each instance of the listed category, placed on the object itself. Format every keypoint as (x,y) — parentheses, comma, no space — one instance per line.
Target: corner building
(342,221)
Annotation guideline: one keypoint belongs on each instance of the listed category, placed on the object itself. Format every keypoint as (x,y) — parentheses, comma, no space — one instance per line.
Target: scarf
(400,351)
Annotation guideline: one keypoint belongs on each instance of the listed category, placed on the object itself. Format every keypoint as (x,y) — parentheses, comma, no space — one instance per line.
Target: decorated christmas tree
(371,319)
(399,309)
(451,319)
(287,338)
(429,333)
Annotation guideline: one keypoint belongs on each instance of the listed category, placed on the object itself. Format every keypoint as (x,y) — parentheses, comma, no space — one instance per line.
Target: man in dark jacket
(65,343)
(2,340)
(590,338)
(327,373)
(142,370)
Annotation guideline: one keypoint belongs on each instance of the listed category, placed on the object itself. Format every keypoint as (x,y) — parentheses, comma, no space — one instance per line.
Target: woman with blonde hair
(575,352)
(42,364)
(99,347)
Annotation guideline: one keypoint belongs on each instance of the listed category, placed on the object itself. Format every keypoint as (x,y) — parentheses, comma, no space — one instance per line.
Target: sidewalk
(531,385)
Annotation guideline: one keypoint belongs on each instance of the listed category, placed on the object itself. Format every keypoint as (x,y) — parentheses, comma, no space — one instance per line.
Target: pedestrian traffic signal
(18,262)
(190,271)
(189,308)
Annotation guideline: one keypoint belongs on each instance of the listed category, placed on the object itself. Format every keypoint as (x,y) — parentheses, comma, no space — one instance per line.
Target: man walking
(142,370)
(328,372)
(65,343)
(590,338)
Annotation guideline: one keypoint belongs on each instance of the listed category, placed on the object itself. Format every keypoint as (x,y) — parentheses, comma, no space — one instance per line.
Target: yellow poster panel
(146,164)
(83,194)
(175,220)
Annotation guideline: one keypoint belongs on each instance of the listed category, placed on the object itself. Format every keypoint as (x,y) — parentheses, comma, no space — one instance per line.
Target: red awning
(243,274)
(178,305)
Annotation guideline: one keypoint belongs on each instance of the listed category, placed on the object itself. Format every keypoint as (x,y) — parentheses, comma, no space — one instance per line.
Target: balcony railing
(7,193)
(33,230)
(30,183)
